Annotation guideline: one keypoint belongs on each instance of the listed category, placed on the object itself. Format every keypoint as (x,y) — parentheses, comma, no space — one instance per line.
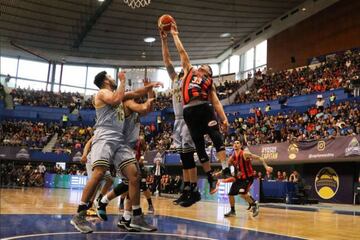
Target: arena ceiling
(112,30)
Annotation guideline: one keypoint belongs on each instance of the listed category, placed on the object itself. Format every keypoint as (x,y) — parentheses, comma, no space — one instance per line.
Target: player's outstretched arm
(248,154)
(86,150)
(141,108)
(219,109)
(113,98)
(142,91)
(166,56)
(184,57)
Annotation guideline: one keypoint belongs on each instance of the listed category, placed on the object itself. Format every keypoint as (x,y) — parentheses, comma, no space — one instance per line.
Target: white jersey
(177,99)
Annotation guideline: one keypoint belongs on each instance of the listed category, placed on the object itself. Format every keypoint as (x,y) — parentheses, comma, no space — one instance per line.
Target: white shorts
(89,168)
(182,138)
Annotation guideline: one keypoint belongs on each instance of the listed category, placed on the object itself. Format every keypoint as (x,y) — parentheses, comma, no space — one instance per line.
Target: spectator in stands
(268,108)
(294,177)
(268,176)
(320,102)
(279,177)
(41,168)
(260,177)
(332,98)
(158,171)
(285,178)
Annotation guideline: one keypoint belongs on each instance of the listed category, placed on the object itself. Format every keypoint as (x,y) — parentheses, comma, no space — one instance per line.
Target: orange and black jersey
(195,87)
(242,166)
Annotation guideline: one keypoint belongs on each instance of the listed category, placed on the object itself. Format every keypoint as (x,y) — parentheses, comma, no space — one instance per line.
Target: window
(261,54)
(249,59)
(215,69)
(160,75)
(74,76)
(234,63)
(224,68)
(89,92)
(33,70)
(71,89)
(8,66)
(32,85)
(135,77)
(57,73)
(93,71)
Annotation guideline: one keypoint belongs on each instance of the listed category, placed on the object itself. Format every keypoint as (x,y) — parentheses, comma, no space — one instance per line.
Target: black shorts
(240,186)
(143,186)
(201,120)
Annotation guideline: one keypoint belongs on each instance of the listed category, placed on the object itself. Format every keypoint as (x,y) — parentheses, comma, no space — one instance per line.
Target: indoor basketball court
(282,82)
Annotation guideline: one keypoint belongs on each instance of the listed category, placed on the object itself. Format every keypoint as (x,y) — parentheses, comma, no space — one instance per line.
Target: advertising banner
(309,151)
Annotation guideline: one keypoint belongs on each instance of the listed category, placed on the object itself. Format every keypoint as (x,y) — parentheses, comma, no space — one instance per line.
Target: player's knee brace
(187,160)
(121,188)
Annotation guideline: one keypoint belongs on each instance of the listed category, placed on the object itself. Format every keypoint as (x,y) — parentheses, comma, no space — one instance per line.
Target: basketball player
(107,181)
(198,93)
(182,138)
(131,133)
(108,145)
(241,160)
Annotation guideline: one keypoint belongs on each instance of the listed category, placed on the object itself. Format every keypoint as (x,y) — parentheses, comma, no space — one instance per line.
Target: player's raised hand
(122,76)
(174,29)
(146,81)
(163,34)
(154,85)
(224,126)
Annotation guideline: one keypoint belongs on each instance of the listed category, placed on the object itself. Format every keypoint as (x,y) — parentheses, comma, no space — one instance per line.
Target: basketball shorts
(182,138)
(89,169)
(104,147)
(124,156)
(240,186)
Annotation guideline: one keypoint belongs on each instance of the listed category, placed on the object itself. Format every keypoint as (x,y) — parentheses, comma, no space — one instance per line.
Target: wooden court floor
(284,222)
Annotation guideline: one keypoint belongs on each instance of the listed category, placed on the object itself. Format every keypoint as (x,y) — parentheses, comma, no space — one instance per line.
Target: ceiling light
(101,0)
(149,39)
(224,35)
(303,9)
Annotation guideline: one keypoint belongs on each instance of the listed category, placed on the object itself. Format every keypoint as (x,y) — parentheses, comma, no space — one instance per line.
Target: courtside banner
(346,147)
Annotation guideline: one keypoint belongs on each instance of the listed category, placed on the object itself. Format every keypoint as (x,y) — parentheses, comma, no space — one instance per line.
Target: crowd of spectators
(47,99)
(227,88)
(2,92)
(336,72)
(281,176)
(73,138)
(318,122)
(26,133)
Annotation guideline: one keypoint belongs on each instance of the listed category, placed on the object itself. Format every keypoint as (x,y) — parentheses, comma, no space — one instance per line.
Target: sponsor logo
(326,183)
(353,147)
(23,154)
(212,123)
(269,153)
(321,146)
(293,149)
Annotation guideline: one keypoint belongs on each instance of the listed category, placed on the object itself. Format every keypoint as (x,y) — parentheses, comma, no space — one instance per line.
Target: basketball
(165,21)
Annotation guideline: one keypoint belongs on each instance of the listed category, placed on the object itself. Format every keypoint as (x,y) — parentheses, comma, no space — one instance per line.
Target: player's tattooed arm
(166,56)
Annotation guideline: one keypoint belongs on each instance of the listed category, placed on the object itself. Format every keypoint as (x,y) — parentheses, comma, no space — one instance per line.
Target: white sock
(105,199)
(127,215)
(224,164)
(134,207)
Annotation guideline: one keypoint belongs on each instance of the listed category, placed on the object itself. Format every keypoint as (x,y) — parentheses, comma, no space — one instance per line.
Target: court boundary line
(104,232)
(245,228)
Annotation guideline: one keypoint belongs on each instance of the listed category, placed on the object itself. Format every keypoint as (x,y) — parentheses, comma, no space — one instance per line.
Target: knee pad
(203,157)
(121,188)
(187,160)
